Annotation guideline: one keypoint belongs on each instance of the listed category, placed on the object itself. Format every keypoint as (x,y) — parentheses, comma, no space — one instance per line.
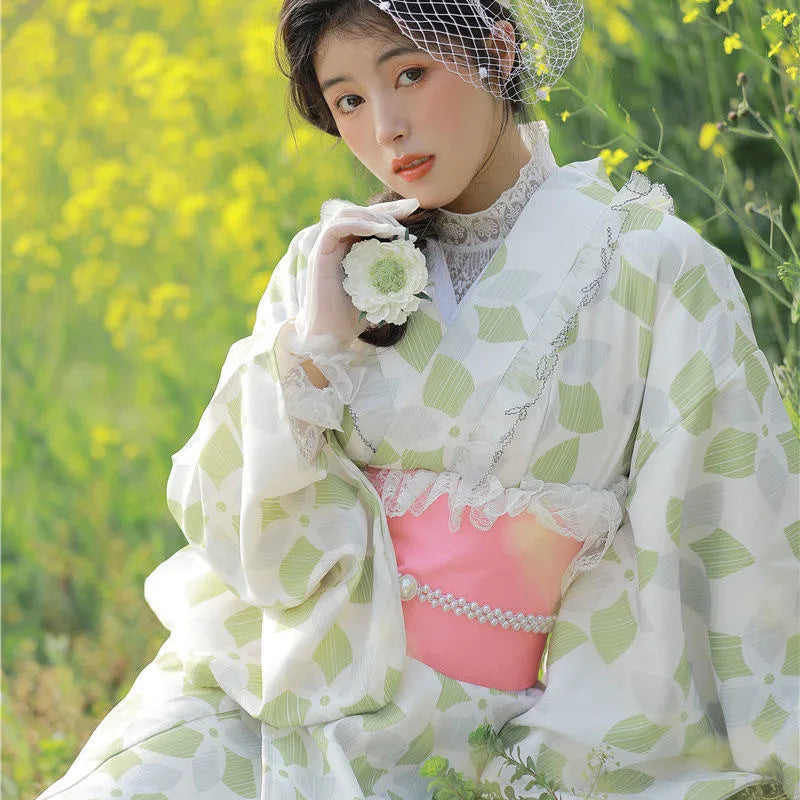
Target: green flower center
(387,275)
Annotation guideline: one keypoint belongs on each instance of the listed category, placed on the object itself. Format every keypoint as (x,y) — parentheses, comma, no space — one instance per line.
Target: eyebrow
(396,51)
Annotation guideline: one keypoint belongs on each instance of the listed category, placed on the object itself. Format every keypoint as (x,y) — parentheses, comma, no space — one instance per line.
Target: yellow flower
(719,150)
(565,115)
(792,72)
(101,436)
(723,6)
(542,69)
(774,49)
(643,165)
(691,16)
(732,42)
(788,19)
(708,134)
(611,160)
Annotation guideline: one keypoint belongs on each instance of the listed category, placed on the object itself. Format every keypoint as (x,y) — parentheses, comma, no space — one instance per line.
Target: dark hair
(303,24)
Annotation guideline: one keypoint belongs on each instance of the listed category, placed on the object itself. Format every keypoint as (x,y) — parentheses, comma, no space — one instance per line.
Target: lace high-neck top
(468,241)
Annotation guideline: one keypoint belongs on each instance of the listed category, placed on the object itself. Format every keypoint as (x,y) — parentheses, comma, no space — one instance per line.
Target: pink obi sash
(478,604)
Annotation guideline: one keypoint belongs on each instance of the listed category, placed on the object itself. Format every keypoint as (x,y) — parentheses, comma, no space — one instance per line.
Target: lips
(404,161)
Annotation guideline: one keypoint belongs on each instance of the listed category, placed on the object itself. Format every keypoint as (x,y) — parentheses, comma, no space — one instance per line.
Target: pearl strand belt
(518,621)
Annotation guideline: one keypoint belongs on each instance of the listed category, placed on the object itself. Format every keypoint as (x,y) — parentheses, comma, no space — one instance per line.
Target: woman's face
(390,99)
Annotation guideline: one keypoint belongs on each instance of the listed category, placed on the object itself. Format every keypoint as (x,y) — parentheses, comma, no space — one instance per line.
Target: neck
(497,175)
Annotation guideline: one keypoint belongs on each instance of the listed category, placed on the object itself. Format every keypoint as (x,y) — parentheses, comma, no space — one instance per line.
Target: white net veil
(465,37)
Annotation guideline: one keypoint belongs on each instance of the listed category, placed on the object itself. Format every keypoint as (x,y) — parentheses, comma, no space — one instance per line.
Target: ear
(502,43)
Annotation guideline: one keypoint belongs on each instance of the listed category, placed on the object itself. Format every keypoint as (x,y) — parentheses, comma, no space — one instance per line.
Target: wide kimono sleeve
(713,504)
(287,593)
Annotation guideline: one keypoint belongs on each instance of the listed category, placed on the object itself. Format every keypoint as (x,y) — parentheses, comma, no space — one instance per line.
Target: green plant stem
(779,142)
(673,167)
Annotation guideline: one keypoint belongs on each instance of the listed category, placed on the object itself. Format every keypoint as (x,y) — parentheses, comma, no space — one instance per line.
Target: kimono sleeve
(248,449)
(714,495)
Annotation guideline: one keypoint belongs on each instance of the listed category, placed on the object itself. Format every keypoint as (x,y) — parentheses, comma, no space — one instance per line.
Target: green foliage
(151,183)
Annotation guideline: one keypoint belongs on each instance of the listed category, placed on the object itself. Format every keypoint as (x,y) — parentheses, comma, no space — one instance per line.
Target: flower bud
(741,79)
(733,116)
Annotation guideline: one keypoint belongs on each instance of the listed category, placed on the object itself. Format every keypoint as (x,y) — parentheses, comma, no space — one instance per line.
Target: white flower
(384,277)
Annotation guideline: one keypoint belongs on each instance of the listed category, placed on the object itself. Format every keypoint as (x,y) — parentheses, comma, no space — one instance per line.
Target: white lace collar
(492,224)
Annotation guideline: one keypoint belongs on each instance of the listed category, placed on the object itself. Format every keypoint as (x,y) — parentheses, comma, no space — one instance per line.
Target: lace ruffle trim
(574,510)
(311,409)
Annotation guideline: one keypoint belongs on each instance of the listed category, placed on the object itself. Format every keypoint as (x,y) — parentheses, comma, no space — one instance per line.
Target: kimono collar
(491,225)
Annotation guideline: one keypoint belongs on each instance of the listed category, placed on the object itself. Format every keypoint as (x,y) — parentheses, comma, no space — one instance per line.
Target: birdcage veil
(455,33)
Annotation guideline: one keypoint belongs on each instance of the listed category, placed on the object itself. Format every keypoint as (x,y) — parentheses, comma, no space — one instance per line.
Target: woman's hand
(327,309)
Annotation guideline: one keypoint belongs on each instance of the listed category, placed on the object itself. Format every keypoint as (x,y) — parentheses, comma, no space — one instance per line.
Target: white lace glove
(326,328)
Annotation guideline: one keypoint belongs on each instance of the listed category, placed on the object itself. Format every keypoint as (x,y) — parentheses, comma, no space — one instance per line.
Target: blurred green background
(151,180)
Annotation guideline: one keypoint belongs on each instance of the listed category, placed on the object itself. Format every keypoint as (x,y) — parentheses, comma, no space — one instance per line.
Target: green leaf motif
(699,738)
(119,764)
(296,568)
(726,655)
(384,717)
(271,511)
(255,680)
(636,292)
(710,790)
(722,554)
(565,637)
(624,781)
(221,455)
(551,764)
(360,585)
(366,774)
(287,710)
(693,385)
(497,262)
(791,446)
(791,664)
(580,409)
(674,515)
(598,192)
(756,378)
(645,348)
(792,533)
(245,625)
(448,386)
(682,675)
(646,564)
(238,776)
(420,340)
(743,346)
(420,748)
(452,693)
(385,455)
(292,749)
(180,742)
(694,292)
(770,720)
(636,734)
(500,324)
(334,653)
(731,453)
(641,217)
(613,629)
(558,464)
(423,459)
(333,490)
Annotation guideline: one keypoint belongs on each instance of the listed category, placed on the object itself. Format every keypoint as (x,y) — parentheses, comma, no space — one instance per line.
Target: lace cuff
(312,409)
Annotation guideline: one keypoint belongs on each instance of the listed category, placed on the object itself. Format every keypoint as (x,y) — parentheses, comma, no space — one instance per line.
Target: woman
(384,522)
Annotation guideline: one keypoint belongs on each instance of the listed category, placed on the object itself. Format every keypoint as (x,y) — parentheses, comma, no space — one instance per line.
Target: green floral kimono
(605,354)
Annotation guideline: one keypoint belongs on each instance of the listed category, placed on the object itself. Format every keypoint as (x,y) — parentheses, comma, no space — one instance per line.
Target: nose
(390,123)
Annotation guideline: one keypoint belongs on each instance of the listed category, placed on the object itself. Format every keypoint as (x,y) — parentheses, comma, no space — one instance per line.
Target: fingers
(340,229)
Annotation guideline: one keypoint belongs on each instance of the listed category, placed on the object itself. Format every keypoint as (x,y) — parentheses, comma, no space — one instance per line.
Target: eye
(345,110)
(420,70)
